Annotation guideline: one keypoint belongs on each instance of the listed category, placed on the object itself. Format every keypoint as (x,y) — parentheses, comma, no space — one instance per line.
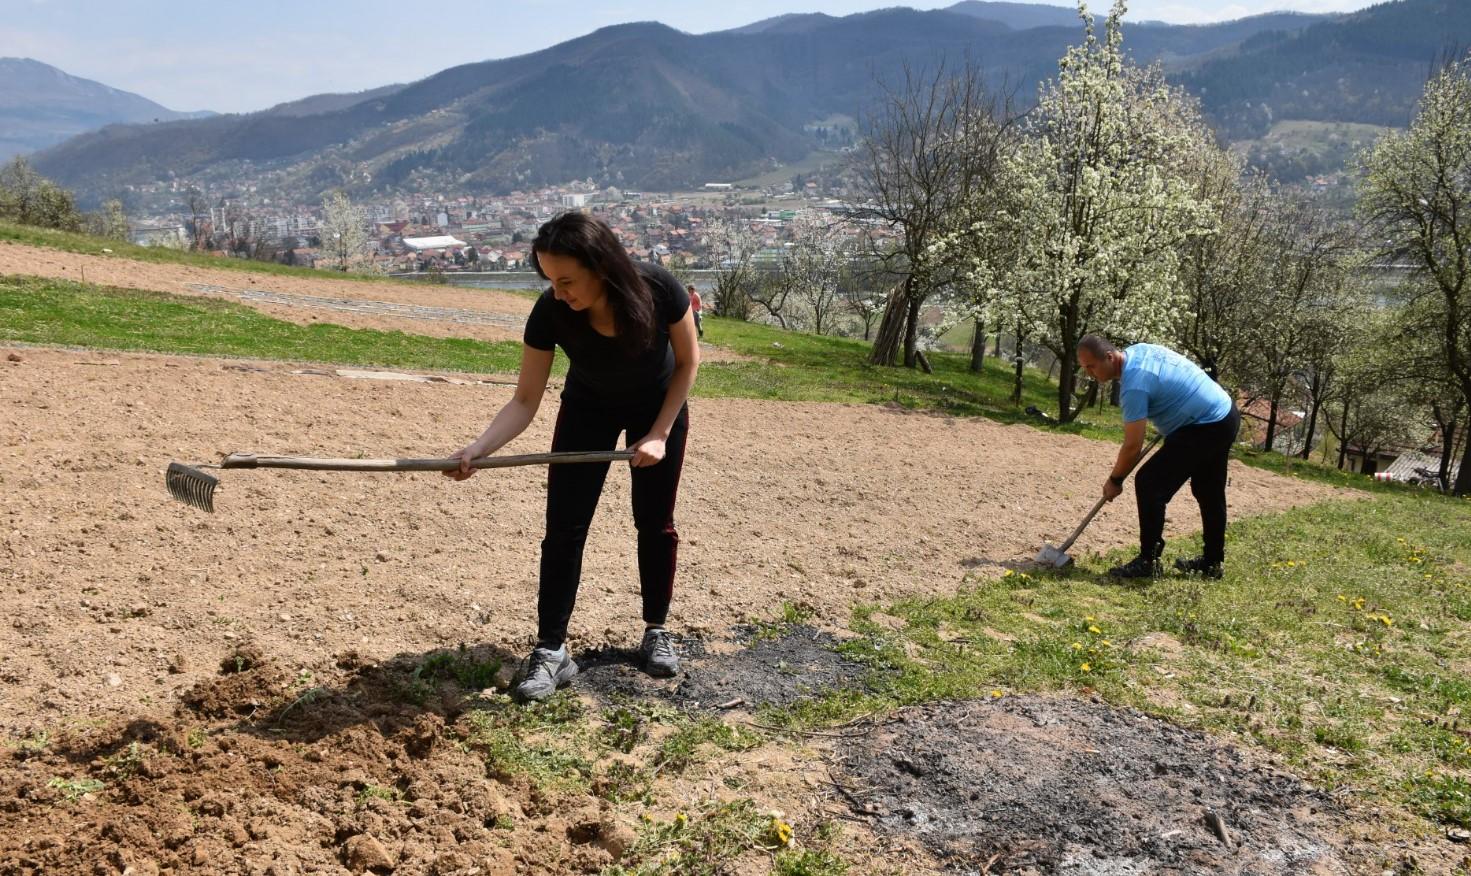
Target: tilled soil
(1055,785)
(119,597)
(237,680)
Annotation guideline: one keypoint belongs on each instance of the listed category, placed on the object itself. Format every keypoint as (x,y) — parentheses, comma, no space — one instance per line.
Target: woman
(627,331)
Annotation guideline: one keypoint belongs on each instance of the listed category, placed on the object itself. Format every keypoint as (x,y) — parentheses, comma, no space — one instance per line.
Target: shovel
(190,485)
(1057,557)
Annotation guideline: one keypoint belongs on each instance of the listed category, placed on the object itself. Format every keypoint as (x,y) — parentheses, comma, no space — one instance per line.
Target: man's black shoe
(1198,566)
(1139,567)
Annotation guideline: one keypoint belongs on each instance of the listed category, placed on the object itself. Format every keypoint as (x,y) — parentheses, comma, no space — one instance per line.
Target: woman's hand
(469,452)
(648,451)
(1111,490)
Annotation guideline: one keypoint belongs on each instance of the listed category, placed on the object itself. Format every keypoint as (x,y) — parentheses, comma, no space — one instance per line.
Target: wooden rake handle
(446,463)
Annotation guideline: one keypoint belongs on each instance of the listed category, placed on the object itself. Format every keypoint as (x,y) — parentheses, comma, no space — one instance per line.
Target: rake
(193,486)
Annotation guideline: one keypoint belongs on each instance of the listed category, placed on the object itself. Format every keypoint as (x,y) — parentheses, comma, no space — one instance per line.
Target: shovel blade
(1051,556)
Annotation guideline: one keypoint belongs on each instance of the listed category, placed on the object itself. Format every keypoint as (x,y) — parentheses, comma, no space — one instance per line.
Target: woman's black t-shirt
(601,370)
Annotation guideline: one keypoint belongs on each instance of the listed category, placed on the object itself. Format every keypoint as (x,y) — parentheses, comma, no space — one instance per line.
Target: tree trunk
(996,351)
(1463,477)
(978,348)
(1067,381)
(891,329)
(1447,424)
(1115,392)
(911,333)
(1307,442)
(1016,386)
(1272,423)
(1343,437)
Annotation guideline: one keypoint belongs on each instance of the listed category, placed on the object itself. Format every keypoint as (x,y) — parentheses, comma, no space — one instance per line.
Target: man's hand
(1111,490)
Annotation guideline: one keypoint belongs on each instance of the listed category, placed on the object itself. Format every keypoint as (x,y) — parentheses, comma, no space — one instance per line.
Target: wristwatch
(1118,480)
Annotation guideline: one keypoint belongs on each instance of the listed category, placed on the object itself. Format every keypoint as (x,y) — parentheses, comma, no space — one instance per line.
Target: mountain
(1367,67)
(1019,16)
(645,106)
(41,106)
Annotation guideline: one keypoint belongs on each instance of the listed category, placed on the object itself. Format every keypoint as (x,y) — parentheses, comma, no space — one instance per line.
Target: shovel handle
(447,463)
(1101,501)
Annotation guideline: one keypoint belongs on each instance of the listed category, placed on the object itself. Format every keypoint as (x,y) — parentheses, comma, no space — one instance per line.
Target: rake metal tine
(191,486)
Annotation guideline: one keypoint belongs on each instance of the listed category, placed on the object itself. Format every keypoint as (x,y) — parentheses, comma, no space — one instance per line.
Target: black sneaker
(656,652)
(1139,567)
(1198,566)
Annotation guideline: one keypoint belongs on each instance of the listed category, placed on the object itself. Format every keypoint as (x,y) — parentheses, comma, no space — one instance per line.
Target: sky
(237,57)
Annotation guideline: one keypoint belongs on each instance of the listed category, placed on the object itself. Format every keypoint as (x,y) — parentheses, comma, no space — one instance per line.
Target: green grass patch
(1338,638)
(99,246)
(793,366)
(62,313)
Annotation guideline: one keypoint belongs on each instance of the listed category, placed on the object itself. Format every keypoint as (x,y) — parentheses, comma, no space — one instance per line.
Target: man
(1199,423)
(695,307)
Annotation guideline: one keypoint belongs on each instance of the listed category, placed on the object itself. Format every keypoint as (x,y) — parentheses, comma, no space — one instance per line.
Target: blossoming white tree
(344,231)
(1417,194)
(1099,204)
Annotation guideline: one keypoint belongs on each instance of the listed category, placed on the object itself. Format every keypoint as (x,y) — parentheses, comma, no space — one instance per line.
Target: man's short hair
(1099,347)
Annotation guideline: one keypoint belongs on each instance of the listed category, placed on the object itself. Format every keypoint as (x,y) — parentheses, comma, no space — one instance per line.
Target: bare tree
(928,147)
(733,248)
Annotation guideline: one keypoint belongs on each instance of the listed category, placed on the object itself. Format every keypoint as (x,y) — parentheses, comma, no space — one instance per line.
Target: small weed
(74,789)
(702,843)
(623,782)
(624,730)
(682,749)
(1442,798)
(809,862)
(459,666)
(378,792)
(124,764)
(196,738)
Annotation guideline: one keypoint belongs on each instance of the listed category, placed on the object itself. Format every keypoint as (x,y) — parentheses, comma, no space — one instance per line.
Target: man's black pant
(1197,454)
(572,498)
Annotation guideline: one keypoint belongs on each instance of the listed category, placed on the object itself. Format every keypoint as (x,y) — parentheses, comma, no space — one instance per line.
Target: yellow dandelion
(995,694)
(1107,643)
(1342,598)
(681,820)
(1291,563)
(1009,573)
(1086,667)
(781,832)
(1090,618)
(1077,646)
(1094,629)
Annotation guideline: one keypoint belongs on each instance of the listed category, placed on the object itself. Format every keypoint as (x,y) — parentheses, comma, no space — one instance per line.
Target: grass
(98,246)
(791,366)
(63,313)
(1346,655)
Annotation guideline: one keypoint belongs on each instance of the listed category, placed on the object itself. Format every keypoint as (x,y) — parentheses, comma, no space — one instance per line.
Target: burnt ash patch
(797,663)
(1050,785)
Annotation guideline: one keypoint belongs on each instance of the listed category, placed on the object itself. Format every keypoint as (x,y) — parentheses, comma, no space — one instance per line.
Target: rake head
(190,485)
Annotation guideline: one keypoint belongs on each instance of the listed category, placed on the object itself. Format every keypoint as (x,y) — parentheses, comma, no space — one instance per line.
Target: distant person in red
(695,309)
(625,328)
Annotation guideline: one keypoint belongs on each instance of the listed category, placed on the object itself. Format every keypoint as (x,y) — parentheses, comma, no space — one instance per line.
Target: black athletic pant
(572,498)
(1197,454)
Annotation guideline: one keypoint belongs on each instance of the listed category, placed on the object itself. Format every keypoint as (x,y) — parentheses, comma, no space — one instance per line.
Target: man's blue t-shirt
(1169,389)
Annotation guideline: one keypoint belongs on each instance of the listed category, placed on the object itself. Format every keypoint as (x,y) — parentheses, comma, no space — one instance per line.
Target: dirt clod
(363,853)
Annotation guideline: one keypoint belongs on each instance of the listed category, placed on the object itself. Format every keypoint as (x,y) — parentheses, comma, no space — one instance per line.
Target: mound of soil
(1049,785)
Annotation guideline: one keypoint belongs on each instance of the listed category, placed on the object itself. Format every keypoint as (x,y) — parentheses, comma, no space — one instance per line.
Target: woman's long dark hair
(595,247)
